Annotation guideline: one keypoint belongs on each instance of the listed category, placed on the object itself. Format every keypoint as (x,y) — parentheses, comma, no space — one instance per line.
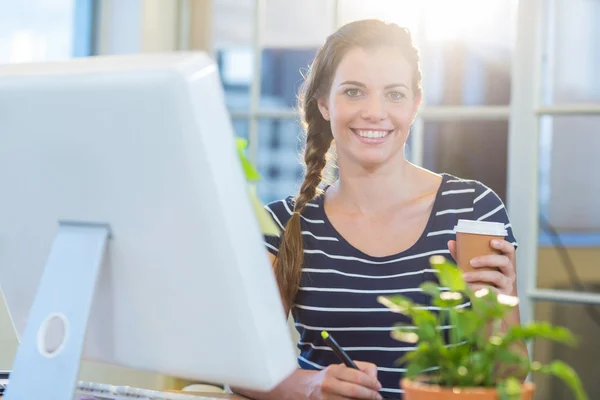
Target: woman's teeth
(372,134)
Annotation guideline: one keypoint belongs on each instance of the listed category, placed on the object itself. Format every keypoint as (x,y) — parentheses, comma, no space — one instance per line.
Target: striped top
(340,284)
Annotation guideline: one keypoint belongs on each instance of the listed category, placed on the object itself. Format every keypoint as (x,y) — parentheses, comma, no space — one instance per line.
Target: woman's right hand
(338,382)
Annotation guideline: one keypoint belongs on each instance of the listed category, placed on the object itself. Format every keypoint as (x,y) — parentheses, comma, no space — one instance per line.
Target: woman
(373,230)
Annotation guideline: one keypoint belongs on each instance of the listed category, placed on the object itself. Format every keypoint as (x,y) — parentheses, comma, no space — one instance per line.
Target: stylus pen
(339,352)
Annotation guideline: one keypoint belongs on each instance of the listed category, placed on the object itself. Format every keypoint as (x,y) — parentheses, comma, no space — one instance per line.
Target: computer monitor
(140,148)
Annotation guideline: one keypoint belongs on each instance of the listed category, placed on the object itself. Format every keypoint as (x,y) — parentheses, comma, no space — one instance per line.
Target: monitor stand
(49,354)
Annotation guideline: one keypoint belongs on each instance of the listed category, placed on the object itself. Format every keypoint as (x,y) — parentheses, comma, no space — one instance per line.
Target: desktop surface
(164,395)
(197,396)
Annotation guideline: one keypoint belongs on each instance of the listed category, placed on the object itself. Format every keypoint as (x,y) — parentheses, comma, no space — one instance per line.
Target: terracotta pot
(421,391)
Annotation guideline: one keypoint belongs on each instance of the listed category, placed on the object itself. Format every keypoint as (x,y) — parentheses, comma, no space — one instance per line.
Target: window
(278,158)
(573,188)
(568,192)
(236,69)
(568,142)
(462,73)
(44,30)
(467,52)
(281,76)
(469,149)
(571,70)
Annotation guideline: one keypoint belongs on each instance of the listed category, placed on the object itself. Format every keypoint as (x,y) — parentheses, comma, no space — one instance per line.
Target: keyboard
(102,391)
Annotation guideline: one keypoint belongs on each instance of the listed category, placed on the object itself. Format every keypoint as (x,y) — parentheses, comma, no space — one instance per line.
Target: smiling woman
(372,231)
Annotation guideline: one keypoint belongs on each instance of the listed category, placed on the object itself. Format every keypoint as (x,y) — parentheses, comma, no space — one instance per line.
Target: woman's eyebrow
(362,85)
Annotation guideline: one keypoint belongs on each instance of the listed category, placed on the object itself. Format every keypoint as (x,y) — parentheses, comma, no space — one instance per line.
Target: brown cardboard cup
(473,240)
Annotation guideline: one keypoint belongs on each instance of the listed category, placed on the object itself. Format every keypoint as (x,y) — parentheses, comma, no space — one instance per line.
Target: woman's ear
(417,103)
(323,108)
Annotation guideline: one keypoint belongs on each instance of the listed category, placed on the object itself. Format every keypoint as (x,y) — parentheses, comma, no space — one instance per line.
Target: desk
(217,395)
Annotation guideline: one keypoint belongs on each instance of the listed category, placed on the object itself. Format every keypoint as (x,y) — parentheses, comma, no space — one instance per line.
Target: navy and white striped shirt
(340,284)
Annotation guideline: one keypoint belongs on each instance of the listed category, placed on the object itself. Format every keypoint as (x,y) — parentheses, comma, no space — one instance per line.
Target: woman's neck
(374,192)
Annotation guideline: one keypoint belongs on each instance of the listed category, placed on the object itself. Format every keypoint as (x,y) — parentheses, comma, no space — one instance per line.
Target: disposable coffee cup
(473,239)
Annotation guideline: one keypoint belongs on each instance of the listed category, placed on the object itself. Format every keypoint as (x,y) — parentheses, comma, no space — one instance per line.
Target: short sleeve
(487,206)
(281,212)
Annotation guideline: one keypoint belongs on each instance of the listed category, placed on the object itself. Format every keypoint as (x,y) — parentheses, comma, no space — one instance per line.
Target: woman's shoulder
(282,209)
(483,201)
(479,191)
(452,182)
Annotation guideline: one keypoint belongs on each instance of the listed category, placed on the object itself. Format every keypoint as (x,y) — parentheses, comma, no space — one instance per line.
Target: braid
(315,158)
(290,259)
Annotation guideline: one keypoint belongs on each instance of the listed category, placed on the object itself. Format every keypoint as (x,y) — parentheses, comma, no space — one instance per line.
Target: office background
(538,151)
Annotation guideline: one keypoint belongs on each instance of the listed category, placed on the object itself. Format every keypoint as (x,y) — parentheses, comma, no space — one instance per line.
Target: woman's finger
(452,248)
(368,368)
(359,378)
(504,246)
(492,278)
(350,390)
(501,262)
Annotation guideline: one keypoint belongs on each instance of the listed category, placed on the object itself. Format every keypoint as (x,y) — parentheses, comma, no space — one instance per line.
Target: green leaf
(506,356)
(397,303)
(265,221)
(448,300)
(485,304)
(430,288)
(480,362)
(467,324)
(413,370)
(249,170)
(405,335)
(429,332)
(536,330)
(511,363)
(509,389)
(448,274)
(567,375)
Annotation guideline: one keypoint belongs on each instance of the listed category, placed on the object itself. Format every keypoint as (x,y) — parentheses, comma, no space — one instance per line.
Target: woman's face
(371,106)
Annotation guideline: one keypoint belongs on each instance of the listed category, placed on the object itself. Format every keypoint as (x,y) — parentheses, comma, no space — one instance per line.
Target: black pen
(339,352)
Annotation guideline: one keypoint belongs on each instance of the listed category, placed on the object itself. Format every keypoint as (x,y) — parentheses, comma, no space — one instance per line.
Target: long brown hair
(365,34)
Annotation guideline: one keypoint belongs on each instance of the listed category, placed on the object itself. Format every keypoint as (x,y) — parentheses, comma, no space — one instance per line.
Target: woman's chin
(373,162)
(372,159)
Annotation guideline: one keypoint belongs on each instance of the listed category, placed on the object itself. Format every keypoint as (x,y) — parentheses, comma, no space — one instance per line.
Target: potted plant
(474,360)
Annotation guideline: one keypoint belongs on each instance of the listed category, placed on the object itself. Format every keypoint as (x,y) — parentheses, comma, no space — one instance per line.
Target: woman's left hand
(502,280)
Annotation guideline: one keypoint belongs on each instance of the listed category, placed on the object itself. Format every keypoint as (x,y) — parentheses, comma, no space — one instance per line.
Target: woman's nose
(374,109)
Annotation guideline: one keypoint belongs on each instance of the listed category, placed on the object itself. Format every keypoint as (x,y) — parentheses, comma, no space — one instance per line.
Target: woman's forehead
(379,66)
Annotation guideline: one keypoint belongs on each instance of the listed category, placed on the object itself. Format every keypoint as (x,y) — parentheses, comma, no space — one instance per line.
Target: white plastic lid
(480,227)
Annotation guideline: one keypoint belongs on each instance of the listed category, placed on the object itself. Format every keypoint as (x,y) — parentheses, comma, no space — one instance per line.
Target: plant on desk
(473,364)
(265,222)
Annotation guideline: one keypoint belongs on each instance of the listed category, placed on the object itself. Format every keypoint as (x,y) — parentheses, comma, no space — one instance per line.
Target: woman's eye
(396,95)
(353,92)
